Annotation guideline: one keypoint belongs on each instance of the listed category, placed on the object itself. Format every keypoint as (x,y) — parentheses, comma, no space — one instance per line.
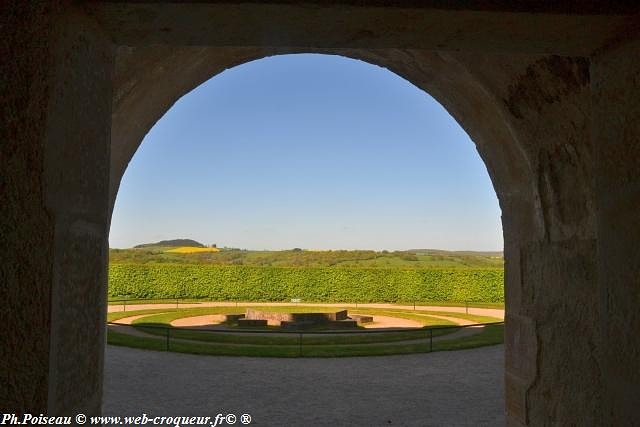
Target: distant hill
(172,243)
(450,253)
(162,252)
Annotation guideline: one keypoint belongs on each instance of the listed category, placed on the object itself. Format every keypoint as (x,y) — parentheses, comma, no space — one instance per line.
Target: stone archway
(487,94)
(554,114)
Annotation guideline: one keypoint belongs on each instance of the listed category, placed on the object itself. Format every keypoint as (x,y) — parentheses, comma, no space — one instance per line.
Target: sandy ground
(458,388)
(215,319)
(206,320)
(499,313)
(212,322)
(390,322)
(379,321)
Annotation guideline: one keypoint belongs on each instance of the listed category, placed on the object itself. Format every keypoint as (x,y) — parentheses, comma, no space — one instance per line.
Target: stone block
(297,325)
(252,322)
(341,315)
(360,318)
(233,317)
(342,324)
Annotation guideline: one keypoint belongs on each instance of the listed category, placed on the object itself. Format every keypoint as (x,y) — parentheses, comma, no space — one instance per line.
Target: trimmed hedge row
(248,283)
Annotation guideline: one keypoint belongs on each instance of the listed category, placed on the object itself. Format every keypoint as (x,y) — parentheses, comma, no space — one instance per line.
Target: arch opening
(291,245)
(365,130)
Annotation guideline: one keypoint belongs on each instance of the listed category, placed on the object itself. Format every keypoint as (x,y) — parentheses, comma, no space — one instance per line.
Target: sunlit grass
(491,335)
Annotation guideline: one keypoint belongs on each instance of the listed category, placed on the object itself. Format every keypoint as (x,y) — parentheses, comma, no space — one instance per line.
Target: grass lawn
(491,335)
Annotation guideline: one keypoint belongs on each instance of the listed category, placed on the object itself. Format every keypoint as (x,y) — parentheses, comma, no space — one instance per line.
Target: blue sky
(309,151)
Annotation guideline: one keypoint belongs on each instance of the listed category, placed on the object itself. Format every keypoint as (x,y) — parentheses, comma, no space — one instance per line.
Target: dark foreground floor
(460,388)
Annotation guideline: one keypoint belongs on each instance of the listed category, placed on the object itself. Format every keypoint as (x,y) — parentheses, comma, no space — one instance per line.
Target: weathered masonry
(549,93)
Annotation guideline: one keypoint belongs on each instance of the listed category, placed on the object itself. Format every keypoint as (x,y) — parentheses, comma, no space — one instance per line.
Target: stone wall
(57,71)
(553,110)
(76,171)
(25,225)
(616,138)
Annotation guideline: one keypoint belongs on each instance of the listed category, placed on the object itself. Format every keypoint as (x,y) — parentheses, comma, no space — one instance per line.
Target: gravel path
(458,388)
(495,312)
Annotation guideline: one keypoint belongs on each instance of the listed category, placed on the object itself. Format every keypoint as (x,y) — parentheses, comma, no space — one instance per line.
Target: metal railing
(167,334)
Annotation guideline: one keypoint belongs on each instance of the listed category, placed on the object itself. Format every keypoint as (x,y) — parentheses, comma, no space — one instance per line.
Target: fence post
(124,305)
(466,307)
(430,340)
(176,302)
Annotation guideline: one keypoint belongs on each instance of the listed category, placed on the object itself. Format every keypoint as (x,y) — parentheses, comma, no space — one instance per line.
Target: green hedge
(245,283)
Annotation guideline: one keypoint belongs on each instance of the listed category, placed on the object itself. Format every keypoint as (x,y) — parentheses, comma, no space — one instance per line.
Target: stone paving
(457,388)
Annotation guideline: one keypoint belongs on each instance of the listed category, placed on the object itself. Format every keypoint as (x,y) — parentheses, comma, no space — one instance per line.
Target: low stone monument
(331,320)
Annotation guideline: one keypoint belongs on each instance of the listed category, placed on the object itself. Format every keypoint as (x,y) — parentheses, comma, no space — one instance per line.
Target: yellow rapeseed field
(191,250)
